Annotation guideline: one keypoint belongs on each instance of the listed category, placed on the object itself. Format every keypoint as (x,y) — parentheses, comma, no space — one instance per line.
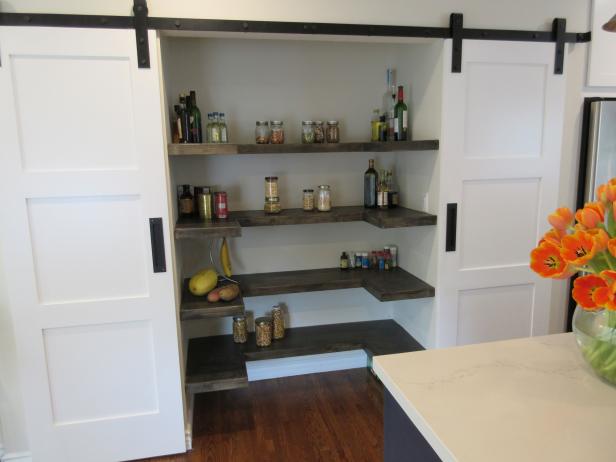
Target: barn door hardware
(141,23)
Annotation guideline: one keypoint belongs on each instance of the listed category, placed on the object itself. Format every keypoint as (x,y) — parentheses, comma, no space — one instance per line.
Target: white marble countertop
(531,399)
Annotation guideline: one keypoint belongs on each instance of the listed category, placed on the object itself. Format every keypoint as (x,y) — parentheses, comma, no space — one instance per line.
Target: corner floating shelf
(216,363)
(385,286)
(400,217)
(206,149)
(193,307)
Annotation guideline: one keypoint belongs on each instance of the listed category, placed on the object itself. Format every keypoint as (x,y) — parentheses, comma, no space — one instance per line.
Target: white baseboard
(16,457)
(299,365)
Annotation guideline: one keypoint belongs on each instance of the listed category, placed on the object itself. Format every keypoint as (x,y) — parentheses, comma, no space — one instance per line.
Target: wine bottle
(389,103)
(402,117)
(195,119)
(370,185)
(184,120)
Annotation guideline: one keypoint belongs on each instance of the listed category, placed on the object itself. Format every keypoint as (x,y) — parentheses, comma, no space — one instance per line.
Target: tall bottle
(177,125)
(195,119)
(389,103)
(370,185)
(184,120)
(224,136)
(401,112)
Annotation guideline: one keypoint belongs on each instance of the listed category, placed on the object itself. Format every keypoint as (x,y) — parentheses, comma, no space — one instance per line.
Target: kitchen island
(531,399)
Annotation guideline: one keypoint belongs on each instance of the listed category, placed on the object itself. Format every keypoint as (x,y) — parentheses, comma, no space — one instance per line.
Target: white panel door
(82,170)
(500,161)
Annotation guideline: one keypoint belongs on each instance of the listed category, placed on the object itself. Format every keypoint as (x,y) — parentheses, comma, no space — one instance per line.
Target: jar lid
(271,178)
(263,320)
(323,186)
(239,318)
(332,122)
(319,122)
(307,122)
(308,190)
(276,122)
(262,122)
(276,308)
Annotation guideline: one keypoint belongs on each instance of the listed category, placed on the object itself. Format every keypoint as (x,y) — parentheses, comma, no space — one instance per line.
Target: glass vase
(595,332)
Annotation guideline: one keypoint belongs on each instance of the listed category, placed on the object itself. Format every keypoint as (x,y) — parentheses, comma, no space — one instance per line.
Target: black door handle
(158,245)
(451,227)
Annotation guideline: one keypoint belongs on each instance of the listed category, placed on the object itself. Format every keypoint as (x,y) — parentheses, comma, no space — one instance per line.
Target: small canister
(333,132)
(278,322)
(263,331)
(262,132)
(308,200)
(271,187)
(240,329)
(324,200)
(220,205)
(393,251)
(272,205)
(204,202)
(277,136)
(351,259)
(358,259)
(319,132)
(307,132)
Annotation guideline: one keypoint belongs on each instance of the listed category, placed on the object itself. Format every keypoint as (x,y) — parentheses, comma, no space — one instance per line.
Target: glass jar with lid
(307,132)
(324,202)
(240,329)
(308,200)
(272,205)
(271,187)
(319,132)
(263,331)
(333,132)
(262,132)
(277,132)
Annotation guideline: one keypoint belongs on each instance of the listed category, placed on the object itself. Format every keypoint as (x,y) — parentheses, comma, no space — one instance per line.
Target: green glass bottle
(401,114)
(195,119)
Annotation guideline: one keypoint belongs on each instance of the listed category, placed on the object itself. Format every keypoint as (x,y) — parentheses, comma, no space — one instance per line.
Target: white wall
(521,14)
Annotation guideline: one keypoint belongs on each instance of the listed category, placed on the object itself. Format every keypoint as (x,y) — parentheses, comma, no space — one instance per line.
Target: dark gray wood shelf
(396,284)
(400,217)
(205,149)
(216,363)
(194,307)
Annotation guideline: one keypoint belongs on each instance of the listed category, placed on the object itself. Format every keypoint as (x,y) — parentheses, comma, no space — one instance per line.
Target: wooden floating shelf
(385,286)
(207,149)
(216,363)
(400,217)
(193,307)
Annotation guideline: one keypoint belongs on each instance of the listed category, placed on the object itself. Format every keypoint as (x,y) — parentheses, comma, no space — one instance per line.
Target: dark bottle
(177,125)
(195,119)
(187,203)
(401,114)
(184,121)
(370,184)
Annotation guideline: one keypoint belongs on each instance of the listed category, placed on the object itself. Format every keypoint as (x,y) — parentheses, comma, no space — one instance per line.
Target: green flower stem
(606,257)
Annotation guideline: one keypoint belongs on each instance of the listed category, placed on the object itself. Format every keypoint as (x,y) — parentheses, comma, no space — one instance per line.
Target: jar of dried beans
(262,132)
(240,329)
(278,322)
(263,331)
(319,132)
(308,200)
(333,132)
(277,132)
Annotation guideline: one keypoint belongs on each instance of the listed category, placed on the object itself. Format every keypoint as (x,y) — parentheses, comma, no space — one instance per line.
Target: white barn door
(500,161)
(81,173)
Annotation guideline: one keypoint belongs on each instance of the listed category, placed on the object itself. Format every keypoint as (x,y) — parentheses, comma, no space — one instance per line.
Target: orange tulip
(601,238)
(605,297)
(591,215)
(607,192)
(583,289)
(553,236)
(578,248)
(547,261)
(602,192)
(561,219)
(611,246)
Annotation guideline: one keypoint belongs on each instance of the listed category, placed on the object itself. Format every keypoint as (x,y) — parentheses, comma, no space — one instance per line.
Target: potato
(214,295)
(229,292)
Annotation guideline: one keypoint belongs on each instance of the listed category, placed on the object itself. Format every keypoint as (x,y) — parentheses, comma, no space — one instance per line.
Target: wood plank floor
(333,416)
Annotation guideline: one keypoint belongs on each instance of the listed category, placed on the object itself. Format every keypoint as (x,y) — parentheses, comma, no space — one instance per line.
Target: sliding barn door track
(456,31)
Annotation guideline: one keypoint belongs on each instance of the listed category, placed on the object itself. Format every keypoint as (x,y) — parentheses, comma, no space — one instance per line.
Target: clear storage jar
(319,132)
(324,202)
(271,187)
(240,329)
(278,322)
(277,132)
(308,200)
(263,331)
(333,132)
(272,205)
(262,132)
(307,132)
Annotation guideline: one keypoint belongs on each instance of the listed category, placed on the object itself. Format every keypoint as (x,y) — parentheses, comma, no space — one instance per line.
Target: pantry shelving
(194,307)
(396,284)
(216,363)
(400,217)
(208,149)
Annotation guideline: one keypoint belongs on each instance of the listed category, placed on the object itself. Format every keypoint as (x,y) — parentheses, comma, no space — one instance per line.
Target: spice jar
(324,202)
(278,322)
(308,202)
(272,205)
(271,187)
(240,329)
(319,132)
(262,132)
(277,132)
(333,132)
(263,331)
(307,132)
(187,203)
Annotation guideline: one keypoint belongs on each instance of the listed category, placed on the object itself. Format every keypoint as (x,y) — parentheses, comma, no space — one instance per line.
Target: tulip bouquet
(586,243)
